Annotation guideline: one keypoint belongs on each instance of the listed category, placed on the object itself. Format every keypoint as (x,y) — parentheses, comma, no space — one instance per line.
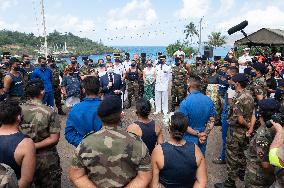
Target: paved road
(216,173)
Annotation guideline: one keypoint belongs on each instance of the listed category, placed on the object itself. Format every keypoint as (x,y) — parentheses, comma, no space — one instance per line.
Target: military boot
(227,184)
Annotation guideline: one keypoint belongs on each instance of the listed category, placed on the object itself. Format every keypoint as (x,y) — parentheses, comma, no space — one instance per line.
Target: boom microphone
(238,27)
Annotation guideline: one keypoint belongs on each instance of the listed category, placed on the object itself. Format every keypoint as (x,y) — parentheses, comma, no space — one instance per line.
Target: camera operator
(279,94)
(276,155)
(259,173)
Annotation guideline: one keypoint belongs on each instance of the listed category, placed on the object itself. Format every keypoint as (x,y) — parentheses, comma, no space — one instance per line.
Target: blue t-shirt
(198,108)
(82,119)
(46,76)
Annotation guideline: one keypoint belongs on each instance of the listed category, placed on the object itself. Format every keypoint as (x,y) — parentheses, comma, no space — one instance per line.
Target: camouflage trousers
(255,180)
(8,177)
(141,88)
(57,97)
(178,93)
(48,170)
(237,143)
(133,91)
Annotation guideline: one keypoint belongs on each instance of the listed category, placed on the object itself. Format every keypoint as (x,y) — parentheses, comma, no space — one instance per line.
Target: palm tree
(215,39)
(190,31)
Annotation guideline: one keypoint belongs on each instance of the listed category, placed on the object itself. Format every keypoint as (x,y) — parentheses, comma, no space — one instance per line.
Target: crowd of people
(244,96)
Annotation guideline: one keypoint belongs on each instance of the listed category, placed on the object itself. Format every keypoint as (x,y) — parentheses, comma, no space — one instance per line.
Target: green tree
(215,39)
(172,48)
(190,31)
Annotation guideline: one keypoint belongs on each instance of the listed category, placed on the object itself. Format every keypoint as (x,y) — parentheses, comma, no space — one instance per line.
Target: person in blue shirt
(200,111)
(45,74)
(83,118)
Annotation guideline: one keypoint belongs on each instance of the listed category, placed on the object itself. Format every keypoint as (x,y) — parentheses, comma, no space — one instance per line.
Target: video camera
(277,118)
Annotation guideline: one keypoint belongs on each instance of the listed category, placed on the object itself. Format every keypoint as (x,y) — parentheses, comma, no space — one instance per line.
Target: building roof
(264,37)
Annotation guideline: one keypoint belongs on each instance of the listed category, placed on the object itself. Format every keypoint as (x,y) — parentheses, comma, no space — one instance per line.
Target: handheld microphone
(238,27)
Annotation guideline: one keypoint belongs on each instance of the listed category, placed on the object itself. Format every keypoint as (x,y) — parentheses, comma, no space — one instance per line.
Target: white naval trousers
(161,101)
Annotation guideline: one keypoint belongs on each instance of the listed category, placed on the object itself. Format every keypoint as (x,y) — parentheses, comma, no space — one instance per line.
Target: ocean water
(151,52)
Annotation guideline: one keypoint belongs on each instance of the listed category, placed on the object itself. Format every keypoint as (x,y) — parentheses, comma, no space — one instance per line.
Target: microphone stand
(266,59)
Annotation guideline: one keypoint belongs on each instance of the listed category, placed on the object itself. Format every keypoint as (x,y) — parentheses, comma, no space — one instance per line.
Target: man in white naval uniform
(163,72)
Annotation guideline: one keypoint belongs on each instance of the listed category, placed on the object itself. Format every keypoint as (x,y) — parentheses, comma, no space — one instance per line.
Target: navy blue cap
(269,105)
(260,67)
(110,105)
(241,77)
(281,83)
(247,70)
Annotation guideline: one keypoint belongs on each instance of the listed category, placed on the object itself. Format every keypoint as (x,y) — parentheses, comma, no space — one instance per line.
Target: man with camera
(259,173)
(276,154)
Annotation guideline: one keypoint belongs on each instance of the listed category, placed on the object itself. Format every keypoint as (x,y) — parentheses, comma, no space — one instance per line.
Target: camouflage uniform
(202,72)
(8,177)
(141,67)
(86,70)
(179,85)
(56,89)
(237,142)
(112,157)
(39,122)
(133,86)
(257,153)
(259,87)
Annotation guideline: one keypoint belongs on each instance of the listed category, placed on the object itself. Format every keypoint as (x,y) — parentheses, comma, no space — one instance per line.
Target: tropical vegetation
(18,43)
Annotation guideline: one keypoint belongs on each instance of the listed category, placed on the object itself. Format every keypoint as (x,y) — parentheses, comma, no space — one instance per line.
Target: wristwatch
(197,133)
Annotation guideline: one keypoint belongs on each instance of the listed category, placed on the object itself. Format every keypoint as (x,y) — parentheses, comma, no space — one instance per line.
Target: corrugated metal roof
(264,36)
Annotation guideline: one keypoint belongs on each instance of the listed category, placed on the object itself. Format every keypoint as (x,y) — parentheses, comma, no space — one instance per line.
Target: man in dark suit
(111,83)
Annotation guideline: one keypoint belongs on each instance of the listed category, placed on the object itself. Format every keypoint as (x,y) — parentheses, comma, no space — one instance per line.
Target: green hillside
(18,43)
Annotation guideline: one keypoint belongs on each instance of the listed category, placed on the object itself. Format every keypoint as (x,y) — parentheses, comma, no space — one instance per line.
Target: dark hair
(73,56)
(100,60)
(111,119)
(9,111)
(13,60)
(243,84)
(34,87)
(41,58)
(143,107)
(195,82)
(178,125)
(25,55)
(91,84)
(235,70)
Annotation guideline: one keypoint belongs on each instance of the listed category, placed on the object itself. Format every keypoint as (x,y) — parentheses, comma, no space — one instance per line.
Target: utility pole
(200,28)
(44,29)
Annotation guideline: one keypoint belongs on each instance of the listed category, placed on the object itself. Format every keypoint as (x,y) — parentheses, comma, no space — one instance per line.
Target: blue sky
(140,22)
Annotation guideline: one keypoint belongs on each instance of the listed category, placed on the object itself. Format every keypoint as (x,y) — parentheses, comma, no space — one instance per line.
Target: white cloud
(68,23)
(225,6)
(193,8)
(133,15)
(270,17)
(5,4)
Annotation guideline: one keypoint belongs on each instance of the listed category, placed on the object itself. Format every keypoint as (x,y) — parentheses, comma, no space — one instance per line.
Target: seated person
(17,150)
(178,163)
(146,128)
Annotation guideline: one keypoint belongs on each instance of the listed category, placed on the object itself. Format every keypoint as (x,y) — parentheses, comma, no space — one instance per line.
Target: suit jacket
(117,84)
